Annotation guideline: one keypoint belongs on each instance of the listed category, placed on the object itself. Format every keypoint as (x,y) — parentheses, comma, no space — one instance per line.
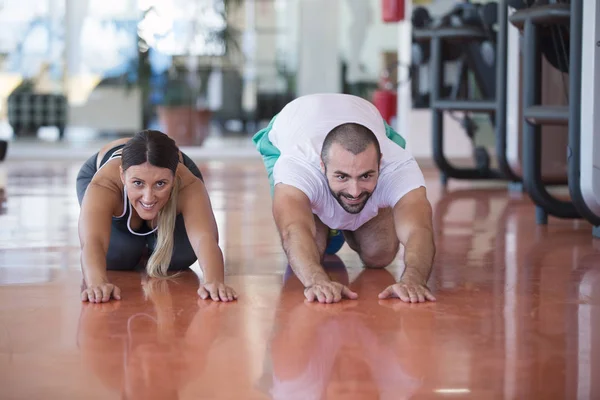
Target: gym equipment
(553,91)
(583,148)
(467,34)
(584,141)
(27,112)
(3,178)
(3,149)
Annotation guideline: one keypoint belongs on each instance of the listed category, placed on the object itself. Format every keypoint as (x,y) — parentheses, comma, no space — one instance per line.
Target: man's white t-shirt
(299,132)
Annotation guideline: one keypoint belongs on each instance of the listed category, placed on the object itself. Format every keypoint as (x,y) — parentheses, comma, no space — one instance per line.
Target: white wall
(318,47)
(364,37)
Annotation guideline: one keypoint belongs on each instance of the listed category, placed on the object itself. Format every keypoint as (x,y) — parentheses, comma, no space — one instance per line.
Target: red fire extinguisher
(386,101)
(392,10)
(385,97)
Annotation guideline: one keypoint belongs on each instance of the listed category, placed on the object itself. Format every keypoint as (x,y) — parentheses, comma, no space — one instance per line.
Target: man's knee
(379,257)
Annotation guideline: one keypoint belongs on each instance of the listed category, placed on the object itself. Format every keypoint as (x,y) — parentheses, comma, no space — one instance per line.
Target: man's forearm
(303,255)
(419,252)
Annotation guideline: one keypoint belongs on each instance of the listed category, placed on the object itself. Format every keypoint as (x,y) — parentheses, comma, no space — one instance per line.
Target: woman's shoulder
(186,177)
(109,146)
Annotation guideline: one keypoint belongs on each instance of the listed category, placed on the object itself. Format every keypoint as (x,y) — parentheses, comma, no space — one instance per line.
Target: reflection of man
(162,347)
(335,165)
(335,351)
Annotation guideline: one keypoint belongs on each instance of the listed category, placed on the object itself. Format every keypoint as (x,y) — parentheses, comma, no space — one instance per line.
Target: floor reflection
(351,350)
(517,316)
(150,349)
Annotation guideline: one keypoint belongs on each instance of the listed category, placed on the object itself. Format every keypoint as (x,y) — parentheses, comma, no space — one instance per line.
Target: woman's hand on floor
(217,291)
(100,293)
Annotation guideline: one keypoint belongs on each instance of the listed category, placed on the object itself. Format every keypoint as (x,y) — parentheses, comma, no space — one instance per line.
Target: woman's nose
(147,195)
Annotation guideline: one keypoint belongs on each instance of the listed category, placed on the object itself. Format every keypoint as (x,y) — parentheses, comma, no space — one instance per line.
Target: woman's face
(148,188)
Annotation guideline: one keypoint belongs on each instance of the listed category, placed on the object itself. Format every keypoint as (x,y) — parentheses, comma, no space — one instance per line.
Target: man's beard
(351,208)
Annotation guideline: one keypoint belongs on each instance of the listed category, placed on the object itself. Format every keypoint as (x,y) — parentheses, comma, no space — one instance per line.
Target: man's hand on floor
(409,290)
(328,292)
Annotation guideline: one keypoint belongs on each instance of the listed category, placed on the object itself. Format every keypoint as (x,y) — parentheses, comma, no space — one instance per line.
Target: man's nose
(353,189)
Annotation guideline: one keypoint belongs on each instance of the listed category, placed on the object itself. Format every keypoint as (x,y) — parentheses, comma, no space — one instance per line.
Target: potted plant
(182,108)
(181,113)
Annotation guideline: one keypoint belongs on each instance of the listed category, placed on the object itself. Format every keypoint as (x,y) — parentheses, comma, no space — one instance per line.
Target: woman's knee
(123,259)
(183,252)
(125,251)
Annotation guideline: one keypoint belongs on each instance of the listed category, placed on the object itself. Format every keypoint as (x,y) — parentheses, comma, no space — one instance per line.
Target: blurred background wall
(82,71)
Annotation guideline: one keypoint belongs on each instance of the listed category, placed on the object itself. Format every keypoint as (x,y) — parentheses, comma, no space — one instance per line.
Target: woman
(140,197)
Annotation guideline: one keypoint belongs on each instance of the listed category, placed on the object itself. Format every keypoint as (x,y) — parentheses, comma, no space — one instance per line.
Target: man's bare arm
(414,227)
(295,222)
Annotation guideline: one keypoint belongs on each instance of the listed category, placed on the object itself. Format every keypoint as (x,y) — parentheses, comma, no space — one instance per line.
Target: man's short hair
(353,137)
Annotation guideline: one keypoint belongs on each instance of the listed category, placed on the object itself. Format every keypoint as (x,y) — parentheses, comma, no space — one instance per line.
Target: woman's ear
(122,175)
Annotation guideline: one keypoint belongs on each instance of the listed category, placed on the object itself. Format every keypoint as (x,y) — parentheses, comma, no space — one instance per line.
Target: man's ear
(322,167)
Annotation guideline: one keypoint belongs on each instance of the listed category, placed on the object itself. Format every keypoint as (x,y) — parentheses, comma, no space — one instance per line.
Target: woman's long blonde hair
(159,261)
(158,150)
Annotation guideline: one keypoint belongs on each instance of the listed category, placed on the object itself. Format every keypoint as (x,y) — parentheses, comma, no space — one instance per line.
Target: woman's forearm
(210,258)
(93,264)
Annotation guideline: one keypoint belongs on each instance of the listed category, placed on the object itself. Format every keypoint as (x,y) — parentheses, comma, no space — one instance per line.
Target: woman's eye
(137,183)
(160,184)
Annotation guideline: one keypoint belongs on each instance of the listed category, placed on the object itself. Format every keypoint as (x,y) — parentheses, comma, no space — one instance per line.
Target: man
(335,165)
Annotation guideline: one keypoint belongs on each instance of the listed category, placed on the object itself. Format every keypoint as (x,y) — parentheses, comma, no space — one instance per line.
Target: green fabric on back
(267,150)
(394,136)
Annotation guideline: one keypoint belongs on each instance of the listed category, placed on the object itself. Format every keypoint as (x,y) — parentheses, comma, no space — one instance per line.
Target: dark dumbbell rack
(497,106)
(535,115)
(3,149)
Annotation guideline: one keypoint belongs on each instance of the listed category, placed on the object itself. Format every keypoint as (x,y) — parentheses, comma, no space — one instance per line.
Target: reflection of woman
(153,351)
(333,351)
(142,195)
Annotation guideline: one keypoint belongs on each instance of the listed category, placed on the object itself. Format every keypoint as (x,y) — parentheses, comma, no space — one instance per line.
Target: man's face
(352,178)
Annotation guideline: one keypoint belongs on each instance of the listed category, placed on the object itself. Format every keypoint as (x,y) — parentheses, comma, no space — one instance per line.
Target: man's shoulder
(295,166)
(299,162)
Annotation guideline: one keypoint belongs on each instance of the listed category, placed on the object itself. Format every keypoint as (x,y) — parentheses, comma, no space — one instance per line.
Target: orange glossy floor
(517,316)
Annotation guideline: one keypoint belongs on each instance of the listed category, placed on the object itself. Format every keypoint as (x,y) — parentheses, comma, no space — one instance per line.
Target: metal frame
(535,114)
(496,106)
(582,132)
